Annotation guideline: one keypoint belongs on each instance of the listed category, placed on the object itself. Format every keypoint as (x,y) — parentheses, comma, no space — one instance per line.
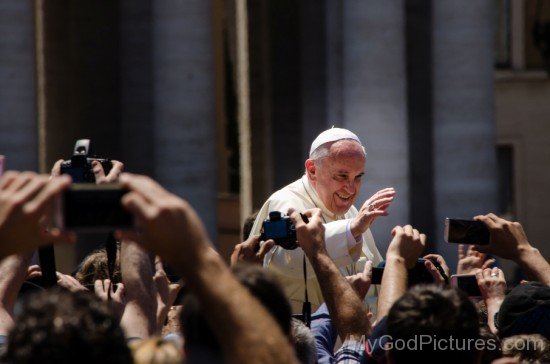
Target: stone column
(183,111)
(464,127)
(374,100)
(18,127)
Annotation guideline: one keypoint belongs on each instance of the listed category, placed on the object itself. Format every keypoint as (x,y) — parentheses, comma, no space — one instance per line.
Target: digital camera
(91,208)
(80,165)
(280,229)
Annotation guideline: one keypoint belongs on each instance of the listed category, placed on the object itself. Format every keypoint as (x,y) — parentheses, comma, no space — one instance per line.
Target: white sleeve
(290,262)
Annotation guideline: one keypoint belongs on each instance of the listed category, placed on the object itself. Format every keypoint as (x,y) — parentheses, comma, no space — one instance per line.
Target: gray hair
(304,342)
(323,150)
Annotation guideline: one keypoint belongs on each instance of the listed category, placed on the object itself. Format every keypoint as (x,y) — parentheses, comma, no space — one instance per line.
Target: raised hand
(251,250)
(376,206)
(471,261)
(26,201)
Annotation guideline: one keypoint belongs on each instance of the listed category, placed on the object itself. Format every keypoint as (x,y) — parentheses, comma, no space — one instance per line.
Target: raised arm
(508,241)
(172,229)
(13,271)
(348,313)
(139,317)
(403,252)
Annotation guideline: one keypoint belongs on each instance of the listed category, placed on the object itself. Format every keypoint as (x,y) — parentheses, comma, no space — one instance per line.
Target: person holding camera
(332,182)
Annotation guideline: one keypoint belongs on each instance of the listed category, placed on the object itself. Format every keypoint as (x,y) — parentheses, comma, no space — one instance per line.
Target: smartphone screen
(466,232)
(467,283)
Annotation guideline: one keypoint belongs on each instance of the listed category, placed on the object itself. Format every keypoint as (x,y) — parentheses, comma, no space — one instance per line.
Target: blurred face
(337,178)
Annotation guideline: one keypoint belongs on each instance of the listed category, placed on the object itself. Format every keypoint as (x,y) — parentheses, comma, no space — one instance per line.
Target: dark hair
(57,326)
(439,313)
(248,224)
(260,282)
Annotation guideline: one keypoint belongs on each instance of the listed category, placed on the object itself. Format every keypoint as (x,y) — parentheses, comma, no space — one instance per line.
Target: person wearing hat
(332,181)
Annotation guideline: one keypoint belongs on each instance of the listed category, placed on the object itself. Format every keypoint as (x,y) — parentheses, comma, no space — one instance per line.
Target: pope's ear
(310,169)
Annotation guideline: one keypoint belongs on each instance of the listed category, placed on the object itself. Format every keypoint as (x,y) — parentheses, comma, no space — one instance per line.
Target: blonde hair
(156,350)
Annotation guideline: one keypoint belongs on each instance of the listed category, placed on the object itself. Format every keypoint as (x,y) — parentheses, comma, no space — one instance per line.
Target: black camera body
(280,229)
(91,208)
(80,165)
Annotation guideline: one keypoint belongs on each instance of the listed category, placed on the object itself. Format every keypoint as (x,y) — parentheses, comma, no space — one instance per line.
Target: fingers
(434,272)
(143,185)
(99,289)
(367,271)
(397,230)
(461,254)
(159,267)
(99,173)
(118,291)
(56,169)
(116,170)
(137,204)
(488,220)
(47,194)
(488,263)
(236,253)
(266,246)
(7,178)
(21,181)
(479,276)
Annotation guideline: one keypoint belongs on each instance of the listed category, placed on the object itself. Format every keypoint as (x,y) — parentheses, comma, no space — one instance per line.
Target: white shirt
(342,247)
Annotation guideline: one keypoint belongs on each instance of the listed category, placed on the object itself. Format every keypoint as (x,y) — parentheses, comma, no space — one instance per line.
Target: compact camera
(80,165)
(281,229)
(91,208)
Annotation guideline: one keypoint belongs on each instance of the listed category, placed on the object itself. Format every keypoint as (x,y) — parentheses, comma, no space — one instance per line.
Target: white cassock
(342,247)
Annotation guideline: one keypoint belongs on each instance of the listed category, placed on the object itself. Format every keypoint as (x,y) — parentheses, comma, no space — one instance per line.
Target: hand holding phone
(467,283)
(462,231)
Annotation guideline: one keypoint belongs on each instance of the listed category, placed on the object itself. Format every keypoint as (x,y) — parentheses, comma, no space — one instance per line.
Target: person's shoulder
(290,189)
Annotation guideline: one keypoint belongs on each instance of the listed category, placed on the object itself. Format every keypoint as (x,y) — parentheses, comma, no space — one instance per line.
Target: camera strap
(46,256)
(111,249)
(306,308)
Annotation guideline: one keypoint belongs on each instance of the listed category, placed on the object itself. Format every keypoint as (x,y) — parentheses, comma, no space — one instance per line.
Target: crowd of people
(126,308)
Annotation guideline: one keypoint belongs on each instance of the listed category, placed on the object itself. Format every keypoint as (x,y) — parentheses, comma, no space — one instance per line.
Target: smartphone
(377,273)
(466,232)
(467,283)
(2,161)
(91,208)
(417,274)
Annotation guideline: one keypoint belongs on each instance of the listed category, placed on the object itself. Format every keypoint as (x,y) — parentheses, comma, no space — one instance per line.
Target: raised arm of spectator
(347,311)
(508,241)
(25,199)
(492,285)
(167,292)
(13,270)
(171,228)
(140,314)
(403,252)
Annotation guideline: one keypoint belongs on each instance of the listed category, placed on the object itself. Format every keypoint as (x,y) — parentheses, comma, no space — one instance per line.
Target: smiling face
(337,177)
